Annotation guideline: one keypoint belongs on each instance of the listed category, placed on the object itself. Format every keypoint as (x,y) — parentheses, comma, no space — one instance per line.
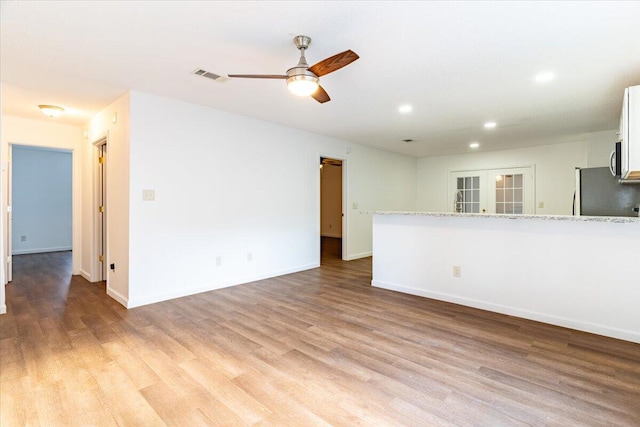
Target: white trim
(577,203)
(76,206)
(96,264)
(42,250)
(86,275)
(512,311)
(132,303)
(117,296)
(358,256)
(3,307)
(345,210)
(345,203)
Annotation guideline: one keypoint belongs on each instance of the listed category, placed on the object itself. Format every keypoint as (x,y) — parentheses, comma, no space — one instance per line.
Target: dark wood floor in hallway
(319,347)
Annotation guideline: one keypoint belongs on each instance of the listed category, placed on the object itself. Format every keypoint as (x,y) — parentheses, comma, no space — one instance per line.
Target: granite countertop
(610,219)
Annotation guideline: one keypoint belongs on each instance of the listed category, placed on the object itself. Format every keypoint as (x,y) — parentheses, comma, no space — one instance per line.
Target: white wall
(331,201)
(41,133)
(41,200)
(217,195)
(554,169)
(565,273)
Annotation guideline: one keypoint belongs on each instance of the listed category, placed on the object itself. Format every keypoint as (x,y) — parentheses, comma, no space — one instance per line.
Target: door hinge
(101,258)
(8,208)
(101,159)
(9,259)
(101,209)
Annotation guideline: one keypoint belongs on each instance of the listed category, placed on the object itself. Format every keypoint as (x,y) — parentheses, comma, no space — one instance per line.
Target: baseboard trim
(40,250)
(133,302)
(117,296)
(594,328)
(86,275)
(3,309)
(358,256)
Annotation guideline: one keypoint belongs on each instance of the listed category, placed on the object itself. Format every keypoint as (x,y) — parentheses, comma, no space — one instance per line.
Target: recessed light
(544,77)
(404,109)
(490,125)
(474,145)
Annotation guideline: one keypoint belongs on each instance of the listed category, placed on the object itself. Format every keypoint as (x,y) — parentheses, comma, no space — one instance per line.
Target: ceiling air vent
(209,75)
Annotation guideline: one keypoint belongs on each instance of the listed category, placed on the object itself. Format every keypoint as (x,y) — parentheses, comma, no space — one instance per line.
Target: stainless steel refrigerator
(598,193)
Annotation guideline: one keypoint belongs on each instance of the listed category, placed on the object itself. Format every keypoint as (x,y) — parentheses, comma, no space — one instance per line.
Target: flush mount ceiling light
(544,77)
(490,125)
(474,145)
(51,110)
(405,109)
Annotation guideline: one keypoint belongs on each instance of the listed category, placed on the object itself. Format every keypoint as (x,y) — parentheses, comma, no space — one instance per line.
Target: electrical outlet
(148,195)
(23,238)
(249,256)
(218,261)
(457,271)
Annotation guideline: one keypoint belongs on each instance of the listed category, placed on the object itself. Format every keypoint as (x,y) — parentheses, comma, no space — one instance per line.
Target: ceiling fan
(303,80)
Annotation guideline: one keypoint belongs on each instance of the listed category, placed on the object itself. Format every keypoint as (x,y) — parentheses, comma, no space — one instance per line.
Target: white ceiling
(458,64)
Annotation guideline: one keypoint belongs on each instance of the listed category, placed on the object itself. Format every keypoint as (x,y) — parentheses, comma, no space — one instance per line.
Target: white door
(511,191)
(502,191)
(468,191)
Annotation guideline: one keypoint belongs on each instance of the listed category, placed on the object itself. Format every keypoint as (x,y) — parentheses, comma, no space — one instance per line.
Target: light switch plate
(148,195)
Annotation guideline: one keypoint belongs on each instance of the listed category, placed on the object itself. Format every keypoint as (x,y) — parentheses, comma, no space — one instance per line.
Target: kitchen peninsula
(573,271)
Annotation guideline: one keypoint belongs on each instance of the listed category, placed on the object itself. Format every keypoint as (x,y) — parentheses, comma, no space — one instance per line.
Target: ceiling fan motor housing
(300,73)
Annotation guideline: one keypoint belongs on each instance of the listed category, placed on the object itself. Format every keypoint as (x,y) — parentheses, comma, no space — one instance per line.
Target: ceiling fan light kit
(303,80)
(302,85)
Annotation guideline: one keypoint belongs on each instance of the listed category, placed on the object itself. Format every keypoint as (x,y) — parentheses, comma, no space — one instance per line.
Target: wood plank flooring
(320,347)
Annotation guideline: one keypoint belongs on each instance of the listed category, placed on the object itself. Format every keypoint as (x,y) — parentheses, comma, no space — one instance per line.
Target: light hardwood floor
(320,347)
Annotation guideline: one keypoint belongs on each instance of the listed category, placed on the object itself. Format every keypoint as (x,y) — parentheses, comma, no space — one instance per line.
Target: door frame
(99,271)
(75,208)
(9,234)
(345,199)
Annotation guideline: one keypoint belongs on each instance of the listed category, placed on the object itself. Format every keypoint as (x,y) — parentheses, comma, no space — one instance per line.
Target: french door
(503,191)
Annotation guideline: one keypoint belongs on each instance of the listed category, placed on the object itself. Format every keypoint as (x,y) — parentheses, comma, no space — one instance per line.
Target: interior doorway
(332,222)
(40,202)
(502,191)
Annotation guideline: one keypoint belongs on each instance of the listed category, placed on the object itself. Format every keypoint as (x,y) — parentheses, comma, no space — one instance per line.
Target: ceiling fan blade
(333,63)
(257,76)
(321,95)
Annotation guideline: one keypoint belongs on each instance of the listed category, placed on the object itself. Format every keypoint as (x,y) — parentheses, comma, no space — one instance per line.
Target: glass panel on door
(513,191)
(509,194)
(467,191)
